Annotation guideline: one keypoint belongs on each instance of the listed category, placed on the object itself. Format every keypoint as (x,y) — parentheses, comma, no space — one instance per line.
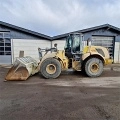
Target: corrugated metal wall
(117,52)
(60,44)
(29,46)
(104,41)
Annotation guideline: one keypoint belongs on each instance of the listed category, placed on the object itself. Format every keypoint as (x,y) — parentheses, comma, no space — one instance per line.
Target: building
(14,39)
(104,35)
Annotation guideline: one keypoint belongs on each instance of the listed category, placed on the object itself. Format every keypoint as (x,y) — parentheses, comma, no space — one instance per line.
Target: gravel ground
(72,96)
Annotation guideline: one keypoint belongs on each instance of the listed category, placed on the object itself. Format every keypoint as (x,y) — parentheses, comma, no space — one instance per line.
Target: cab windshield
(76,43)
(68,43)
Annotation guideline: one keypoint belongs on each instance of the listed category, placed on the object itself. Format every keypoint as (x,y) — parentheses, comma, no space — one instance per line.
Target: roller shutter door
(104,41)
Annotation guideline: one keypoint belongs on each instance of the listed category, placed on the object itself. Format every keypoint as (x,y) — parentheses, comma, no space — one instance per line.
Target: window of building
(5,43)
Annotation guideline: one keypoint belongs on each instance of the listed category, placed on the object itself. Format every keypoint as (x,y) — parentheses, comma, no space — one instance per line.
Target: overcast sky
(54,17)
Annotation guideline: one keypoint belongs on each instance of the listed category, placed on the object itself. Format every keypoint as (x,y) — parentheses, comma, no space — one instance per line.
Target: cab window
(76,43)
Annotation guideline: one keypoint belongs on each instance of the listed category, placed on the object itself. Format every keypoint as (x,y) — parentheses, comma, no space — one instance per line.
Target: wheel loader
(76,56)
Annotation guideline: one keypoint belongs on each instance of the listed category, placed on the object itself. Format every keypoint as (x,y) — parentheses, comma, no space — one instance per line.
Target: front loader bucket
(22,68)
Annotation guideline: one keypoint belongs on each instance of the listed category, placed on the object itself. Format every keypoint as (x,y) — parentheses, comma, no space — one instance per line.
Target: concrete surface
(72,96)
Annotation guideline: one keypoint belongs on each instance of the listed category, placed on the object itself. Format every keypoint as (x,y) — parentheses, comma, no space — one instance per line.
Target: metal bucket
(22,68)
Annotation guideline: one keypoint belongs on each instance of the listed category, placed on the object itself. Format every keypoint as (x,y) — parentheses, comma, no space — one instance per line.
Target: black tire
(93,67)
(83,69)
(47,72)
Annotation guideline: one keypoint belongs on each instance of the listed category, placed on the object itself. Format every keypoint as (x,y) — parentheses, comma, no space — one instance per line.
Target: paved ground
(70,97)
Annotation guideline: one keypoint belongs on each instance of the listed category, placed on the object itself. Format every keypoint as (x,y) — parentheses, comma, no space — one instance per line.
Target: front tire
(94,67)
(50,68)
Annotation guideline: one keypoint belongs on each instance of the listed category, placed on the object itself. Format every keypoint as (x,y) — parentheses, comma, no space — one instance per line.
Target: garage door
(5,48)
(104,41)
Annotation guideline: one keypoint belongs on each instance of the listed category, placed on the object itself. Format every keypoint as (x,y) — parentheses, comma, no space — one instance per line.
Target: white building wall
(30,47)
(117,52)
(60,44)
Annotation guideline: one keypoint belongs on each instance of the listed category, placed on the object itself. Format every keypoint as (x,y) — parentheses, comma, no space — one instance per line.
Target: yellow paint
(91,50)
(76,65)
(86,49)
(108,61)
(64,60)
(60,55)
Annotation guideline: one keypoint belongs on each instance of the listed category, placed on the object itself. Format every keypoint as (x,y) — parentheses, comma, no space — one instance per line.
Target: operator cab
(74,45)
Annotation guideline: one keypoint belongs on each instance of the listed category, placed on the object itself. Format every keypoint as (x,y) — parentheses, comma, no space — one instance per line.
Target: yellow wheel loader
(76,56)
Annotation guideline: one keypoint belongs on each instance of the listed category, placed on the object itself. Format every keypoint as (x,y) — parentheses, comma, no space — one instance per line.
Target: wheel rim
(51,68)
(94,68)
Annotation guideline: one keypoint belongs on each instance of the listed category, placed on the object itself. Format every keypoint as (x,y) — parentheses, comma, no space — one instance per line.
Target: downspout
(51,44)
(12,51)
(119,54)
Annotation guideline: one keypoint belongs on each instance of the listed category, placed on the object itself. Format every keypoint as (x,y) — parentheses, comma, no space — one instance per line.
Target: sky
(55,17)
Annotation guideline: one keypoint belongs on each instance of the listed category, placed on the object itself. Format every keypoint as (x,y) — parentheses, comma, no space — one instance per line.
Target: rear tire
(50,68)
(83,69)
(94,67)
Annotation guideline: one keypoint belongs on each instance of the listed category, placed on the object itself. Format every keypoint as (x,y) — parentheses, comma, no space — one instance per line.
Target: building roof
(25,30)
(88,29)
(108,26)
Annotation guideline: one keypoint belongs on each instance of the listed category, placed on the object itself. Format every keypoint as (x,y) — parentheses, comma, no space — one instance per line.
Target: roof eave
(25,30)
(86,30)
